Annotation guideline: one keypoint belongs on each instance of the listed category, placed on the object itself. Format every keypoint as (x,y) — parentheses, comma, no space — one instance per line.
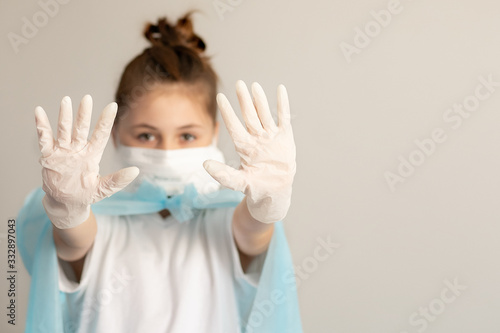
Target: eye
(187,137)
(146,137)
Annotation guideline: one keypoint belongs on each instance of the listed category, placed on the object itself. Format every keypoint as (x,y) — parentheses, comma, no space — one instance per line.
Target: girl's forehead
(175,107)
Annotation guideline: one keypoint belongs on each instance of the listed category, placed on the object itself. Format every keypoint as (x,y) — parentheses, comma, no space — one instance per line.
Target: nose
(168,144)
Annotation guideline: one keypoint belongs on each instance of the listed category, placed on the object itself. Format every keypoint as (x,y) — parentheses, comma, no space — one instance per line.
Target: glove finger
(284,118)
(82,123)
(247,108)
(115,182)
(262,106)
(45,136)
(226,175)
(65,123)
(234,126)
(102,130)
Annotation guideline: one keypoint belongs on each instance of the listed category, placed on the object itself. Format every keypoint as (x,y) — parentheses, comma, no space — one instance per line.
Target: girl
(172,252)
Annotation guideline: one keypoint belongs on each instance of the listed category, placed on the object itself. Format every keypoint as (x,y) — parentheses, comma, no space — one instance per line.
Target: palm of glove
(70,164)
(266,150)
(71,177)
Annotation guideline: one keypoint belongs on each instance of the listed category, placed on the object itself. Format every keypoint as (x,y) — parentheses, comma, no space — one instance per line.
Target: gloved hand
(70,164)
(267,153)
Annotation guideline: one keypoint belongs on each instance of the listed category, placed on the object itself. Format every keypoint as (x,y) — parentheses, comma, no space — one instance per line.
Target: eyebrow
(145,125)
(180,128)
(190,126)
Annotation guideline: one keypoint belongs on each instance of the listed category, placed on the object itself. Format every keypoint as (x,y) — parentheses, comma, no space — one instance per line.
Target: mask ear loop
(116,140)
(215,141)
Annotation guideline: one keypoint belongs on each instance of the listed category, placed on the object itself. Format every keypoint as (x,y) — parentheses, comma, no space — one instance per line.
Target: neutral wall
(355,119)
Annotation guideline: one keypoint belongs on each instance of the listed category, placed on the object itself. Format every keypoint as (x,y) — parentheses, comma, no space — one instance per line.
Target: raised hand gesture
(70,163)
(267,153)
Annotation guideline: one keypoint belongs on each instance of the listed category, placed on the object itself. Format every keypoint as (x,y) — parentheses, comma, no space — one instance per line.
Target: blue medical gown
(271,307)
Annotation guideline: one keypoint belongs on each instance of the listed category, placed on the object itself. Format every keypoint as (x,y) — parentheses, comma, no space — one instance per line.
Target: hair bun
(182,34)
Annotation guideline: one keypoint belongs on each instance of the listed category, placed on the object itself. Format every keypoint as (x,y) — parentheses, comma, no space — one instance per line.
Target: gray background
(352,121)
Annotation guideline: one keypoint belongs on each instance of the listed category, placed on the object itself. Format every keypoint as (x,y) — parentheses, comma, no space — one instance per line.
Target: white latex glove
(70,164)
(267,153)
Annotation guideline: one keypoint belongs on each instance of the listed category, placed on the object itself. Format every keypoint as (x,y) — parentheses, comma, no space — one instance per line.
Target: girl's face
(170,117)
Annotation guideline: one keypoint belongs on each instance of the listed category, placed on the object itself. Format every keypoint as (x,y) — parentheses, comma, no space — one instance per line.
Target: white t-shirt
(147,274)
